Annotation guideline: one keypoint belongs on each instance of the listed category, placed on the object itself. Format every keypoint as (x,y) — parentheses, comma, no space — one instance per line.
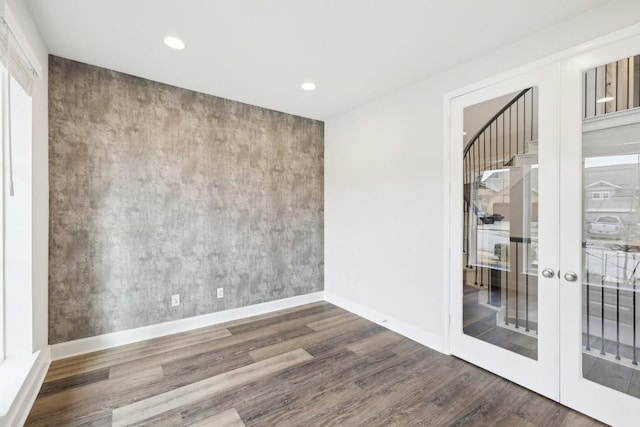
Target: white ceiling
(260,51)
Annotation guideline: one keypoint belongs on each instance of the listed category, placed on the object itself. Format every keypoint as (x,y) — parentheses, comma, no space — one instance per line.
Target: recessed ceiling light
(464,133)
(174,42)
(605,99)
(308,86)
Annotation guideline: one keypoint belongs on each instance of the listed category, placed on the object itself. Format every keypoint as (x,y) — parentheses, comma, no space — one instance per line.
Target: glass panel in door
(500,160)
(611,225)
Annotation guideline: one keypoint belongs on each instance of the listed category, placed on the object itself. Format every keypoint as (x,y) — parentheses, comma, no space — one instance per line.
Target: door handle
(548,273)
(570,276)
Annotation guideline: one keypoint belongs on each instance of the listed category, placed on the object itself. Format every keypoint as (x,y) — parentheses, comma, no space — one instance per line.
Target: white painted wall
(384,195)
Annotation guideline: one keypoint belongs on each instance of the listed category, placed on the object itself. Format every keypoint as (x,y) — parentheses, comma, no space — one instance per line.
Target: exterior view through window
(611,224)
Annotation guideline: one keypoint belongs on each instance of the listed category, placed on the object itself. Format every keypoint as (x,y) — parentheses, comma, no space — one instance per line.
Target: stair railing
(610,302)
(492,147)
(612,87)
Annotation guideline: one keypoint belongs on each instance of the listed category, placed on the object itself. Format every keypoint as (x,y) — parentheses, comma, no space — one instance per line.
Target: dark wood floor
(310,366)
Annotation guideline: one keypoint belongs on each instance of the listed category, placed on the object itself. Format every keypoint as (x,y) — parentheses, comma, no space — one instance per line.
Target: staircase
(498,247)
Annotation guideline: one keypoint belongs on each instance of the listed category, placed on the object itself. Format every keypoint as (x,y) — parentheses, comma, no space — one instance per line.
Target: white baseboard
(101,342)
(19,409)
(418,335)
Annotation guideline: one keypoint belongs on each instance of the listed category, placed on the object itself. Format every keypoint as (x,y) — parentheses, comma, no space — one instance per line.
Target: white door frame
(452,263)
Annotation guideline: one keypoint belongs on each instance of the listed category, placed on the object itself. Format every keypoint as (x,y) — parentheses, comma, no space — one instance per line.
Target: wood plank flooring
(315,365)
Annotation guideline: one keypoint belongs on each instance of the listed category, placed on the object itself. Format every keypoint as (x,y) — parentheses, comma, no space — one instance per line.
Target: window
(17,232)
(16,78)
(600,195)
(3,131)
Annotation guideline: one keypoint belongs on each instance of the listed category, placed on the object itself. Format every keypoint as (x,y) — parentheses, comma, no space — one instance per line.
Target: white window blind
(19,69)
(14,58)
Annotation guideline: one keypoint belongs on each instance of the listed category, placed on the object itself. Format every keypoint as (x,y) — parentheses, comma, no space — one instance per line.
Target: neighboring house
(606,197)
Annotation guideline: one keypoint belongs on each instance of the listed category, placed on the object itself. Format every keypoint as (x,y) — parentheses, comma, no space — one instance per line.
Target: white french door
(600,233)
(545,231)
(504,313)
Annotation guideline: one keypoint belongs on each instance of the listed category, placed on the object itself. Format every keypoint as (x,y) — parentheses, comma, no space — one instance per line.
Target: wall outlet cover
(220,292)
(175,300)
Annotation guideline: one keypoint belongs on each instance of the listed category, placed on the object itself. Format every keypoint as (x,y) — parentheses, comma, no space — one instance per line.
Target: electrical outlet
(175,300)
(220,292)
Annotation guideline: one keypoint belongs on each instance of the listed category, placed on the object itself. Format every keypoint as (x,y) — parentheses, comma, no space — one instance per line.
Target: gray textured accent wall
(157,190)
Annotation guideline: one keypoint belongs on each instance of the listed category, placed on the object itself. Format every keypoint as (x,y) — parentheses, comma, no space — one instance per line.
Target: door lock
(548,273)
